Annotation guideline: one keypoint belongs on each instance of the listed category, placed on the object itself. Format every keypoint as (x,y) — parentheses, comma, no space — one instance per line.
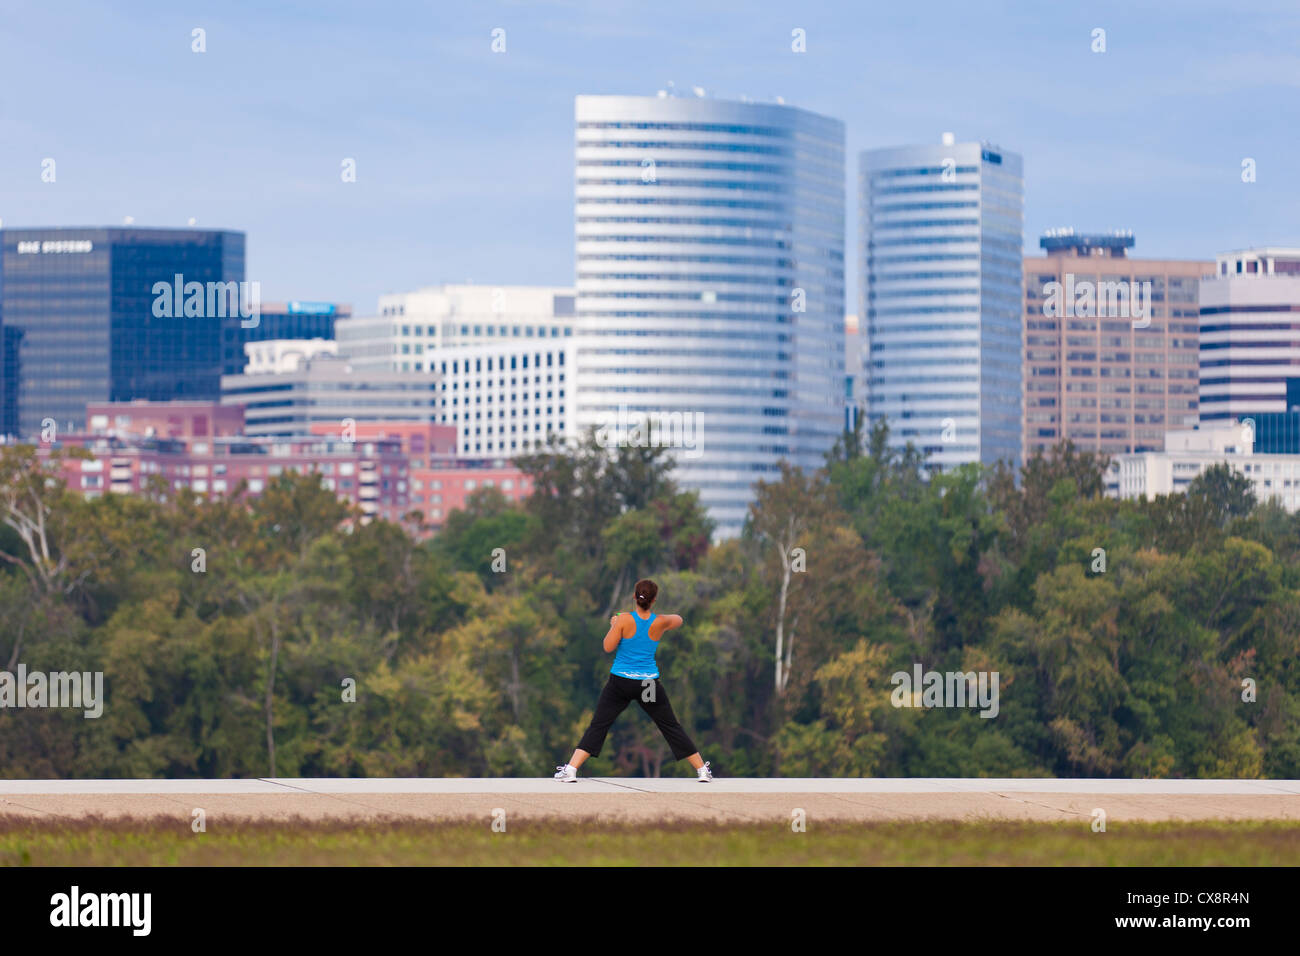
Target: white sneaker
(567,774)
(704,774)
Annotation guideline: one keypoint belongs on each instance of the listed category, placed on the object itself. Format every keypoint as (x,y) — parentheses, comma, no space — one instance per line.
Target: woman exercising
(635,676)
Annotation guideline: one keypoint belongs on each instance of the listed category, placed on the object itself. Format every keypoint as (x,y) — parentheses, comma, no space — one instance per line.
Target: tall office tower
(941,237)
(1250,334)
(1110,344)
(710,286)
(113,314)
(411,325)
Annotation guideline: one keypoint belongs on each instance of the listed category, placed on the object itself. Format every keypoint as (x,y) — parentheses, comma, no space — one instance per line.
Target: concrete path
(643,800)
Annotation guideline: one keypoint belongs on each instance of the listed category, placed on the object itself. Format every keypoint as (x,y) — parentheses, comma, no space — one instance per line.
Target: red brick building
(386,469)
(439,480)
(165,419)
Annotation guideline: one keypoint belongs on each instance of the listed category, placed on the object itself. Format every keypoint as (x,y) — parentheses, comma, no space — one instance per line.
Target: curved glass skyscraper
(710,286)
(942,234)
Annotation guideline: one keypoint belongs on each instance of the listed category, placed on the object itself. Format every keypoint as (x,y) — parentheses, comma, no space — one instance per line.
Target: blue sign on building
(311,308)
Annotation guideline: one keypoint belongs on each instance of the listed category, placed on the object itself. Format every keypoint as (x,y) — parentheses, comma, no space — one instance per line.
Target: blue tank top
(636,654)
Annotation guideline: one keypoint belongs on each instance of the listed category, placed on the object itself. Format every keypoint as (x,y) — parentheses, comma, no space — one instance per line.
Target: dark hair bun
(645,591)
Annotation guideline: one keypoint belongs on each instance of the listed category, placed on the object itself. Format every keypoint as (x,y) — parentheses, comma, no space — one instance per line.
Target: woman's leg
(661,711)
(611,703)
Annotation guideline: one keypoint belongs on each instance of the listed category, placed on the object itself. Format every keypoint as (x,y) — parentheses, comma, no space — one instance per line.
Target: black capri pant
(621,691)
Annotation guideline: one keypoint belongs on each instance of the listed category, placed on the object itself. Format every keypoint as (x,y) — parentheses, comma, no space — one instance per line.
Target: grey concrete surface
(647,800)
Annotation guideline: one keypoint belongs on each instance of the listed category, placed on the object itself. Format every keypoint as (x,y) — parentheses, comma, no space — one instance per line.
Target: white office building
(1189,453)
(710,285)
(504,399)
(1249,334)
(284,355)
(940,266)
(410,325)
(507,398)
(502,357)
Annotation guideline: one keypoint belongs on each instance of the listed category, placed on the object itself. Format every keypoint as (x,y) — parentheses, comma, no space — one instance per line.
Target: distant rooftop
(671,91)
(1113,245)
(1264,260)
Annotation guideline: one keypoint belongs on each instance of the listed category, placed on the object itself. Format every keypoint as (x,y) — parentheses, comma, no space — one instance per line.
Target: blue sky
(465,157)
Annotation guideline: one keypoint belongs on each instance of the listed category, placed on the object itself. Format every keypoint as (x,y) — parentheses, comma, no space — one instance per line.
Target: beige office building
(1111,345)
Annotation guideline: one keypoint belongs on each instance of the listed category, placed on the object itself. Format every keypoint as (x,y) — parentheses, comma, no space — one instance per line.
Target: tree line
(279,636)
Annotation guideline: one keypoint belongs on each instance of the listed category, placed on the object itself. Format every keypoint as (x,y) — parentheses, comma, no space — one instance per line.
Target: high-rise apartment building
(941,236)
(1110,344)
(710,285)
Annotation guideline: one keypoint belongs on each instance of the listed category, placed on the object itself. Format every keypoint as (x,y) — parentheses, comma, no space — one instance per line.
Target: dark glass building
(83,318)
(1278,433)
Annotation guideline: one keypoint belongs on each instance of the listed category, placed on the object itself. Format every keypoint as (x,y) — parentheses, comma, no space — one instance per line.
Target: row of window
(536,413)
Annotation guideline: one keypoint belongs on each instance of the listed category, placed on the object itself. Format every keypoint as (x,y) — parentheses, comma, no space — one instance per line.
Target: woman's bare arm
(663,624)
(614,634)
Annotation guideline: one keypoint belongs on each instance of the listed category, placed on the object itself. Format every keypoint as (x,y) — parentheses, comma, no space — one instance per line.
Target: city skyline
(463,156)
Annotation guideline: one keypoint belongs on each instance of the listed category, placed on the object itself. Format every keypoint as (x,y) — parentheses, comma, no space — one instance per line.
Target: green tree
(1229,495)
